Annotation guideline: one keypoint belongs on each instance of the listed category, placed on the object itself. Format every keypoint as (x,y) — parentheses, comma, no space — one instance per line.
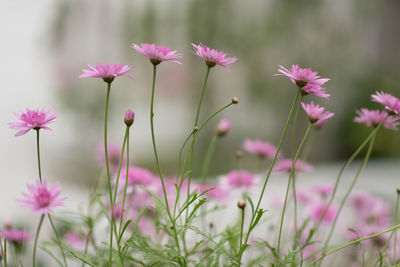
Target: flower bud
(224,127)
(235,100)
(239,154)
(398,190)
(129,117)
(241,204)
(195,128)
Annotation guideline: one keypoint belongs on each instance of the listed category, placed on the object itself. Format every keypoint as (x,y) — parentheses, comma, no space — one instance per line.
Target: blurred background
(45,45)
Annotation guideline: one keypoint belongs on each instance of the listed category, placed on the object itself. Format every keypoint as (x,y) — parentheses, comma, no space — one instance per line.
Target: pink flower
(106,72)
(129,117)
(74,240)
(306,79)
(391,103)
(224,126)
(240,179)
(114,155)
(17,236)
(303,196)
(137,176)
(323,190)
(215,192)
(157,54)
(32,119)
(318,209)
(285,165)
(213,57)
(316,113)
(260,148)
(117,211)
(41,199)
(375,117)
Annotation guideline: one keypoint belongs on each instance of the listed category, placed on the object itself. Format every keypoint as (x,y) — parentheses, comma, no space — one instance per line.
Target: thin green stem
(126,181)
(208,157)
(288,188)
(38,155)
(36,240)
(270,168)
(201,96)
(341,205)
(87,245)
(58,239)
(241,236)
(351,243)
(4,251)
(120,165)
(396,217)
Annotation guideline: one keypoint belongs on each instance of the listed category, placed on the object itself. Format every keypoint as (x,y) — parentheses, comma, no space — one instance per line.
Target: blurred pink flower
(373,118)
(213,57)
(240,179)
(303,196)
(32,119)
(106,72)
(285,165)
(117,211)
(15,235)
(259,148)
(41,199)
(215,192)
(391,103)
(306,79)
(74,240)
(223,127)
(315,112)
(370,210)
(324,190)
(318,208)
(137,176)
(114,155)
(157,54)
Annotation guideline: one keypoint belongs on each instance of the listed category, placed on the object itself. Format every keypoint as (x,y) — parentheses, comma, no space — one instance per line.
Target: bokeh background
(45,45)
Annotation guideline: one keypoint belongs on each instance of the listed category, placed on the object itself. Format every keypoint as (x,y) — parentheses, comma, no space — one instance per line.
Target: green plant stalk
(352,243)
(157,158)
(87,244)
(36,240)
(241,237)
(126,181)
(4,250)
(394,231)
(38,154)
(367,155)
(58,239)
(288,188)
(253,216)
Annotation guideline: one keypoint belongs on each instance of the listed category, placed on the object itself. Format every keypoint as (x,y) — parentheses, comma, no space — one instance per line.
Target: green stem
(241,237)
(58,239)
(394,231)
(270,168)
(352,243)
(4,251)
(87,245)
(367,155)
(36,240)
(108,166)
(38,155)
(120,165)
(208,157)
(288,188)
(126,181)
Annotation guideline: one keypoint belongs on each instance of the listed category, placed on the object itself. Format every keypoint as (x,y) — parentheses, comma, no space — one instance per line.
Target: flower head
(16,235)
(157,54)
(391,103)
(285,165)
(319,208)
(213,57)
(106,72)
(375,117)
(259,148)
(129,117)
(309,81)
(324,190)
(316,113)
(224,126)
(75,240)
(41,199)
(32,119)
(138,176)
(240,179)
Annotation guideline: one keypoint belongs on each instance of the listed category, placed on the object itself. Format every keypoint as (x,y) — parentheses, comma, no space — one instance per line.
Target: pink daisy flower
(16,236)
(316,113)
(391,103)
(319,208)
(157,54)
(375,117)
(285,165)
(32,119)
(309,81)
(213,57)
(223,127)
(259,148)
(106,72)
(240,179)
(41,199)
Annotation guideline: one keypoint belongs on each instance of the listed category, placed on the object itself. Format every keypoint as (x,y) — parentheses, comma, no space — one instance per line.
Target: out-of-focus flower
(41,199)
(240,179)
(117,211)
(285,165)
(213,57)
(16,235)
(114,155)
(223,127)
(319,208)
(391,103)
(306,79)
(32,119)
(157,54)
(214,192)
(129,117)
(74,240)
(323,190)
(137,176)
(373,118)
(316,113)
(106,72)
(259,148)
(303,196)
(370,209)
